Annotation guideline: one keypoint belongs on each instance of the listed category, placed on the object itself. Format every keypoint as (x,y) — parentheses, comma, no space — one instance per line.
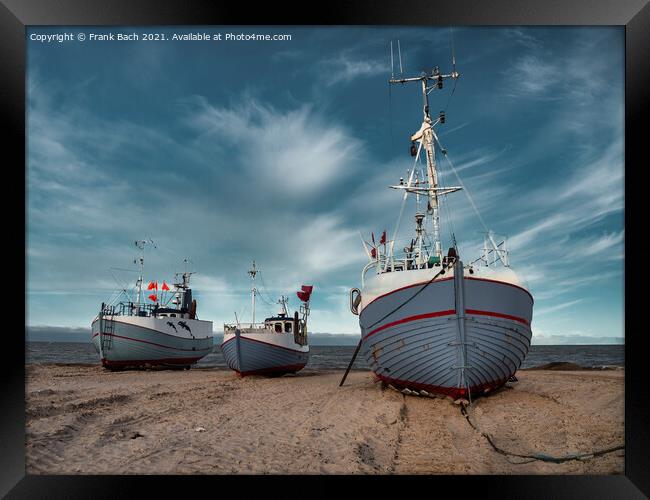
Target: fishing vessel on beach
(275,347)
(432,324)
(129,332)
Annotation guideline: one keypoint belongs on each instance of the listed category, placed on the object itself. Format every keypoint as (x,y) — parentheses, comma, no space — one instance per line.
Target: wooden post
(354,356)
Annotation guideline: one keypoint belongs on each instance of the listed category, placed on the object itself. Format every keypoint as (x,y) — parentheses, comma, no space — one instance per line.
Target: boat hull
(145,341)
(458,336)
(263,354)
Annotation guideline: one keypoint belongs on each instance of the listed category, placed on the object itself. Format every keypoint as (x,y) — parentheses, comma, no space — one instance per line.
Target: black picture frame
(16,15)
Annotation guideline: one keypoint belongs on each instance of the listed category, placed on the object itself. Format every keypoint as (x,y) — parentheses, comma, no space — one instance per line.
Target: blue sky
(282,151)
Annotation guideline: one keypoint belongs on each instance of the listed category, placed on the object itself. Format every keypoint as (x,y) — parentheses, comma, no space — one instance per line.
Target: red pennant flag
(373,252)
(305,293)
(153,297)
(164,286)
(153,285)
(383,238)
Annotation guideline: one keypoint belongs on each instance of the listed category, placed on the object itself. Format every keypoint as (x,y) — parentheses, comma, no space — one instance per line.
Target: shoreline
(551,366)
(82,419)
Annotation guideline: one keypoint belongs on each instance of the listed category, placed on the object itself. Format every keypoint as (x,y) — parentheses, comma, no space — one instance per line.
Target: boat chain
(536,456)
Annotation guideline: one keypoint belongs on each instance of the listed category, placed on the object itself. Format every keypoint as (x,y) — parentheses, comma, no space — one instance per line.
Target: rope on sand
(537,456)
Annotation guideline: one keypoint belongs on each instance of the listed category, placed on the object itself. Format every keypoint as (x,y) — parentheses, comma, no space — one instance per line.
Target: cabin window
(173,315)
(278,328)
(287,327)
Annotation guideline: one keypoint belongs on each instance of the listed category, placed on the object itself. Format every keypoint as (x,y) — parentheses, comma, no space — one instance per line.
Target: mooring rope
(411,297)
(537,456)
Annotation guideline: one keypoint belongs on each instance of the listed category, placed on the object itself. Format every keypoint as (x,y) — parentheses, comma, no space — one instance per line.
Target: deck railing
(246,326)
(129,309)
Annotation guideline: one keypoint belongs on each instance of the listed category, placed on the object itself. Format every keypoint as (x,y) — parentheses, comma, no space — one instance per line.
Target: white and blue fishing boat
(275,347)
(128,332)
(430,323)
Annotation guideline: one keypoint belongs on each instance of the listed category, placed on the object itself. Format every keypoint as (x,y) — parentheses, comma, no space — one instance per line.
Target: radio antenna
(140,244)
(392,69)
(453,51)
(399,50)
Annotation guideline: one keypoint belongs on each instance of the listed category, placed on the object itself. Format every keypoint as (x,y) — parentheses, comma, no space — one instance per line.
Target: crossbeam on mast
(453,74)
(426,190)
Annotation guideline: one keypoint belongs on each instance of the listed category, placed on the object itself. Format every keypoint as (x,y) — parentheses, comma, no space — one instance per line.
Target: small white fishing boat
(275,347)
(430,323)
(128,332)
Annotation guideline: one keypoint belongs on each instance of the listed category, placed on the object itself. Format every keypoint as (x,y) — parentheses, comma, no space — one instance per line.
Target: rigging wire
(471,200)
(243,310)
(447,211)
(469,196)
(451,95)
(453,59)
(390,117)
(401,210)
(268,300)
(124,287)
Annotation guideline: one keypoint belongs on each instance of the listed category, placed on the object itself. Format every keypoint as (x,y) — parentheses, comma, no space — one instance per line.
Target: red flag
(153,285)
(373,238)
(164,286)
(305,293)
(153,297)
(373,252)
(383,238)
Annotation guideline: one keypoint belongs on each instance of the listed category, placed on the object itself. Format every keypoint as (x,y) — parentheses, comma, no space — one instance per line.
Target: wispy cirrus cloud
(294,149)
(558,307)
(345,68)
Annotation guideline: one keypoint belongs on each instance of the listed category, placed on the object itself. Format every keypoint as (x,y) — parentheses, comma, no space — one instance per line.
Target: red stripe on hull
(275,369)
(503,283)
(453,392)
(152,343)
(153,362)
(446,313)
(497,315)
(411,318)
(266,343)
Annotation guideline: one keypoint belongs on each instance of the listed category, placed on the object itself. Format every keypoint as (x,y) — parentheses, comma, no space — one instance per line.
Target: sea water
(338,357)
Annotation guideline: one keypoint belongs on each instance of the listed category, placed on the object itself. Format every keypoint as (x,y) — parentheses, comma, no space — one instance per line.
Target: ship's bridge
(281,324)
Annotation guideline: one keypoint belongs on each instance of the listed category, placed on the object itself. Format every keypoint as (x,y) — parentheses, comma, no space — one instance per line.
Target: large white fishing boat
(128,332)
(275,347)
(430,323)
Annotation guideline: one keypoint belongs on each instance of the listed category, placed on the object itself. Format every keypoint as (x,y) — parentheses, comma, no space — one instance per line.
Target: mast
(425,136)
(186,275)
(140,244)
(183,295)
(283,301)
(253,271)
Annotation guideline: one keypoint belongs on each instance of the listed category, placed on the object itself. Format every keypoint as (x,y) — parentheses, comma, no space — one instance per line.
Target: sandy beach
(82,419)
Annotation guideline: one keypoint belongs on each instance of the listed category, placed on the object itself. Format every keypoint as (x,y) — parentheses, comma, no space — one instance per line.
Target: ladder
(106,327)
